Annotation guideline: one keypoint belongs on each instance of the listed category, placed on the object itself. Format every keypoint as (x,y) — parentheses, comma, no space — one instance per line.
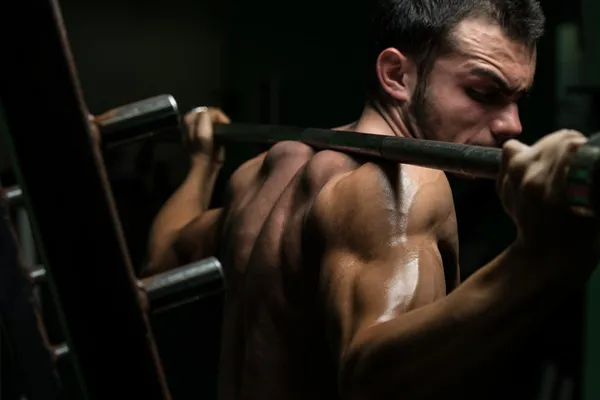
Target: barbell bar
(583,180)
(475,161)
(160,114)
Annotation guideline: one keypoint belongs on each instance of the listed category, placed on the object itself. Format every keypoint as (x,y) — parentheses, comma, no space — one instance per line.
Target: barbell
(160,114)
(150,117)
(583,180)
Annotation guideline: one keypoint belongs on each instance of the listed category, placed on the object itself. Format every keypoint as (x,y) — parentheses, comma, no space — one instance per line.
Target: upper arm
(379,261)
(200,237)
(195,241)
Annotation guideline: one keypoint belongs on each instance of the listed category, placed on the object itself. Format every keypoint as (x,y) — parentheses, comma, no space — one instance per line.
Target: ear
(396,74)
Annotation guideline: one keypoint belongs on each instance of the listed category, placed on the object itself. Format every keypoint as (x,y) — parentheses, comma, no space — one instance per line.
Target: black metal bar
(80,240)
(475,161)
(583,180)
(21,320)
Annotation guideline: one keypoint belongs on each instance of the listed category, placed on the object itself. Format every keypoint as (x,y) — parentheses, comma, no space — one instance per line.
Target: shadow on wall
(129,50)
(316,51)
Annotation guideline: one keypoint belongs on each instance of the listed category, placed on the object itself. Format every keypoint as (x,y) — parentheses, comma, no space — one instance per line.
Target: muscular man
(342,271)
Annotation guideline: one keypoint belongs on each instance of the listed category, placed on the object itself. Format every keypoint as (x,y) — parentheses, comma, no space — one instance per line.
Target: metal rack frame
(78,231)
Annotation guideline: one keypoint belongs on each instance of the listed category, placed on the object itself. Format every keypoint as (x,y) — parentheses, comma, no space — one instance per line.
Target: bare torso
(274,343)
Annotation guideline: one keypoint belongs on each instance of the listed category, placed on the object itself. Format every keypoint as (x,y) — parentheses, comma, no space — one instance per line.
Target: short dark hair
(421,28)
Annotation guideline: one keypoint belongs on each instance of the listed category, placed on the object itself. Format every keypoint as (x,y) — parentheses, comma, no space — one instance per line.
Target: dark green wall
(592,366)
(591,18)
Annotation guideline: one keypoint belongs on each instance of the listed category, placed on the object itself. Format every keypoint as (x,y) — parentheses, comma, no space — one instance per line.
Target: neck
(381,118)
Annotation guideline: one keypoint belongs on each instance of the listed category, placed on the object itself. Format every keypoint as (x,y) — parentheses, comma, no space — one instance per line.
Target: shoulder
(375,204)
(433,203)
(355,209)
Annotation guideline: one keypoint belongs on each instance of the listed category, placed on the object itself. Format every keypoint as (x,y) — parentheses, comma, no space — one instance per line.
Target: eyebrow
(498,80)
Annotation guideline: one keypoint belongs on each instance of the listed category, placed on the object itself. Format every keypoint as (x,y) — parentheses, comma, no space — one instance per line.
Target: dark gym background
(302,64)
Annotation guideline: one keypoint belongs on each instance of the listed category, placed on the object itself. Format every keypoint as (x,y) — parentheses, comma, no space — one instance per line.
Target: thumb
(513,147)
(510,149)
(204,125)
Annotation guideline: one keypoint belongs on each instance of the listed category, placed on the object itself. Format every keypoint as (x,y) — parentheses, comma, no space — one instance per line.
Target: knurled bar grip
(583,190)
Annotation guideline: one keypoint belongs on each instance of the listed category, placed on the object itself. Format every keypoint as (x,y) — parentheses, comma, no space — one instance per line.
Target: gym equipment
(184,284)
(144,119)
(21,320)
(169,289)
(94,286)
(583,190)
(126,124)
(173,288)
(475,161)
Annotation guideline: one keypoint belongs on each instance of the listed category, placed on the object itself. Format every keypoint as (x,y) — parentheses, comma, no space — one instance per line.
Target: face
(471,95)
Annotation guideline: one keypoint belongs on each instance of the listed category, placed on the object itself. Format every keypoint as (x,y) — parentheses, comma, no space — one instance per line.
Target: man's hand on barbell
(199,133)
(532,187)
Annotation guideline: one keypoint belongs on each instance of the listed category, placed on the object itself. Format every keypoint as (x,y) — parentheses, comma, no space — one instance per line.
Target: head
(454,70)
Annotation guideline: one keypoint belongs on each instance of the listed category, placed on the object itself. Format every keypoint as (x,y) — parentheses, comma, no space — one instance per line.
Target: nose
(507,124)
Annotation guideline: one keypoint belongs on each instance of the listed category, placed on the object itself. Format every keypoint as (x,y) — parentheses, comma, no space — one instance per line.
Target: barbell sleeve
(138,121)
(184,284)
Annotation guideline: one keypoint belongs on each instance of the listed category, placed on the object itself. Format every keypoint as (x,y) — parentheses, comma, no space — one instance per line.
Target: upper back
(271,196)
(271,255)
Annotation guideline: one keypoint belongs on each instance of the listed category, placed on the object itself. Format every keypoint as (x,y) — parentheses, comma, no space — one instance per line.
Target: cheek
(458,117)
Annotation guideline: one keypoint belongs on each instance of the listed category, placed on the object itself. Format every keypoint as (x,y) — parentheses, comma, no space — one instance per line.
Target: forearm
(188,202)
(431,347)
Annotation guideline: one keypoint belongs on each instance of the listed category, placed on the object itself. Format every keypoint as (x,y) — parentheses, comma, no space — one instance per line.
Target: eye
(485,96)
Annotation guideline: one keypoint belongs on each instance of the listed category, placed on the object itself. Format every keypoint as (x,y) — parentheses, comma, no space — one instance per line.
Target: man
(342,272)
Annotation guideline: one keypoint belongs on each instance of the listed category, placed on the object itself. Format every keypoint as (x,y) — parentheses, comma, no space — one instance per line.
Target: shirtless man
(342,272)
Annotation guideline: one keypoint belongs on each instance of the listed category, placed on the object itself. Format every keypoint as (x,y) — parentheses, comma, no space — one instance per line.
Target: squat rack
(77,230)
